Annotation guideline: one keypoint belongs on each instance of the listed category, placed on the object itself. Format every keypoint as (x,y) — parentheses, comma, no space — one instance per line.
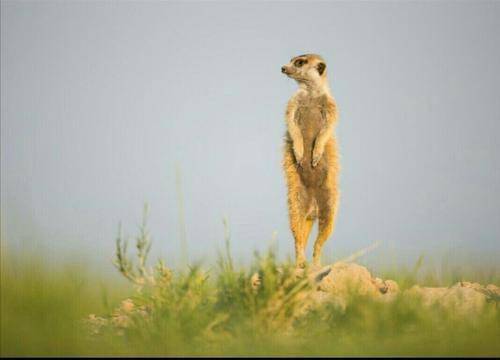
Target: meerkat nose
(283,70)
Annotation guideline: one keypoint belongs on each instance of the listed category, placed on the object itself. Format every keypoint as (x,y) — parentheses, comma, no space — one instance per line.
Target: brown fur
(310,156)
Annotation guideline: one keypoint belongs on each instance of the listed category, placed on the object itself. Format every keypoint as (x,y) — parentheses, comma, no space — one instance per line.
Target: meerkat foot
(316,266)
(299,272)
(301,264)
(316,262)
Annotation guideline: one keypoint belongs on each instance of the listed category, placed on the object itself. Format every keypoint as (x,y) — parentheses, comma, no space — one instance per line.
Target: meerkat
(311,160)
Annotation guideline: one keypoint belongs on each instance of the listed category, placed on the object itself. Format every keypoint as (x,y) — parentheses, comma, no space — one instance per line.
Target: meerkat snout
(287,70)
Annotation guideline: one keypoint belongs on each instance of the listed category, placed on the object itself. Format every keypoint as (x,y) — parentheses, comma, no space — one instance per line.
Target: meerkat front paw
(316,158)
(299,157)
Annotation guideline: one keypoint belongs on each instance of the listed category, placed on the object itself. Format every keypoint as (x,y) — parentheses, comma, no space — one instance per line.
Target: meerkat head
(308,69)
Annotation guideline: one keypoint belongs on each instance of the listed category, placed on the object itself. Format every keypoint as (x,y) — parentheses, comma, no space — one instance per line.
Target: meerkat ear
(321,68)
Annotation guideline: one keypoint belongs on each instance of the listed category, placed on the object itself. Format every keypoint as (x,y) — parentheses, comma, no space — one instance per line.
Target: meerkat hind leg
(301,242)
(301,228)
(326,224)
(298,201)
(325,227)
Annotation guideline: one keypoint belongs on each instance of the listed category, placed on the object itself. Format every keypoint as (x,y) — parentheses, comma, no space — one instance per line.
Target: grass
(219,311)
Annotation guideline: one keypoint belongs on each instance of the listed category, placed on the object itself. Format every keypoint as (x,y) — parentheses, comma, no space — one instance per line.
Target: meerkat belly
(310,121)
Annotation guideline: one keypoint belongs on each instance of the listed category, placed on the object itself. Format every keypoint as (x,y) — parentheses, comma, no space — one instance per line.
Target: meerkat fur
(311,160)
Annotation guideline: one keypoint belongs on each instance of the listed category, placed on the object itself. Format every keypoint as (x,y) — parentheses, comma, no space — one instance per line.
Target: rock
(386,286)
(346,277)
(493,291)
(255,281)
(127,306)
(392,286)
(95,323)
(468,299)
(341,280)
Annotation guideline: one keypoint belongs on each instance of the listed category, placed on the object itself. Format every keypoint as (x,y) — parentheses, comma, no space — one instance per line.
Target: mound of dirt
(338,282)
(464,298)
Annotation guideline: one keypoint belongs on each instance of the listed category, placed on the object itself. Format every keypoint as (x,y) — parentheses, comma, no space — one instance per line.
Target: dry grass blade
(360,253)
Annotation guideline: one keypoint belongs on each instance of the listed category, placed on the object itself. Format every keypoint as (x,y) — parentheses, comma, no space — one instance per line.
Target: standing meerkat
(310,155)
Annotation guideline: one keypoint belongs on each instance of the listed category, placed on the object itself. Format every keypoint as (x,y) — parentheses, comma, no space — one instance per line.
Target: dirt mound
(463,297)
(338,282)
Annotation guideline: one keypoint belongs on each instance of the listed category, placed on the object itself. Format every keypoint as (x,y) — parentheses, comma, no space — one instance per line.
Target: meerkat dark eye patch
(321,68)
(300,62)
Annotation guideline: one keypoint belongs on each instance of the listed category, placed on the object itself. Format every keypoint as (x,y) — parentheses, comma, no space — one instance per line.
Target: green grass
(218,312)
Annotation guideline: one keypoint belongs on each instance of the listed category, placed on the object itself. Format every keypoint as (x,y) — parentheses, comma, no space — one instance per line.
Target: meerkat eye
(300,62)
